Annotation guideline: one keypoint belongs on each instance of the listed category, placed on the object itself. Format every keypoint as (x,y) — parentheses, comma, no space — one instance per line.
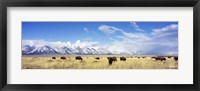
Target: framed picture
(91,45)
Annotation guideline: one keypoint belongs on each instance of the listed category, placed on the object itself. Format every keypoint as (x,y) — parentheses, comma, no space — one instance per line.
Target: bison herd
(162,58)
(114,59)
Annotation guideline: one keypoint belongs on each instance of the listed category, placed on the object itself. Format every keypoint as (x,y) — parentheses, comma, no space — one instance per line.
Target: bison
(160,58)
(111,60)
(97,58)
(63,57)
(169,56)
(122,59)
(79,58)
(143,57)
(175,58)
(53,57)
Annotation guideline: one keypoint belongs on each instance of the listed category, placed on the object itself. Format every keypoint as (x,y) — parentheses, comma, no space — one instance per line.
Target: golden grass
(92,63)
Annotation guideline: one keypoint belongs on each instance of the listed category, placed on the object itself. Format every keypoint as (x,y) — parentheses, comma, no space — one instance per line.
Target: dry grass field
(89,62)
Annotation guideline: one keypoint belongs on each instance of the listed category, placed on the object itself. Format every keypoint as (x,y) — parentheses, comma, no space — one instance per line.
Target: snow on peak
(37,47)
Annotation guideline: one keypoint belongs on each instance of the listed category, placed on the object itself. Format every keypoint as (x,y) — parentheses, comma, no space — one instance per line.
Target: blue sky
(72,31)
(106,33)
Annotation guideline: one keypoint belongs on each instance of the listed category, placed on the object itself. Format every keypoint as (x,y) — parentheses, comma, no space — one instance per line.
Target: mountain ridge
(42,50)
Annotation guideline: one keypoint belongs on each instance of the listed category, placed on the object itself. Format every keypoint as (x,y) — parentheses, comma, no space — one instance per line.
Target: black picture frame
(99,3)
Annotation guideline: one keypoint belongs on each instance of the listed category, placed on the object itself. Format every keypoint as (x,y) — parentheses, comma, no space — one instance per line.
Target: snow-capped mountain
(37,50)
(31,47)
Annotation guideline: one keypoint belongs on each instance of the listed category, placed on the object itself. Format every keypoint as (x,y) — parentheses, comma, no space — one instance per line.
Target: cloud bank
(161,41)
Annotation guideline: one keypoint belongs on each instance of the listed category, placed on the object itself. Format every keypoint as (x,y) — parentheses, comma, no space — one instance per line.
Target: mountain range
(39,50)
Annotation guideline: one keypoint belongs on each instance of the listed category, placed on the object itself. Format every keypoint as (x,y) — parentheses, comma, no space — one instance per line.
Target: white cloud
(159,41)
(136,27)
(108,29)
(86,30)
(135,35)
(168,29)
(163,41)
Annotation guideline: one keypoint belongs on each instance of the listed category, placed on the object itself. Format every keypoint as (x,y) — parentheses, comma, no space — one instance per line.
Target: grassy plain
(89,62)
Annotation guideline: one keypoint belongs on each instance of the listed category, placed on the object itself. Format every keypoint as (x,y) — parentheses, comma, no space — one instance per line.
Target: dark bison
(53,57)
(122,59)
(175,58)
(138,57)
(160,58)
(153,57)
(169,56)
(143,57)
(111,59)
(79,58)
(97,58)
(63,58)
